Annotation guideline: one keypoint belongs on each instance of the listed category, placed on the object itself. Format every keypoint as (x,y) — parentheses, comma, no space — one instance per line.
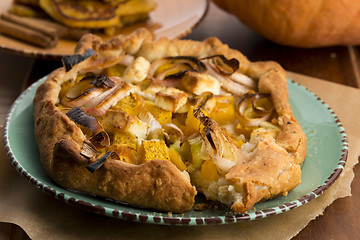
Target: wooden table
(335,64)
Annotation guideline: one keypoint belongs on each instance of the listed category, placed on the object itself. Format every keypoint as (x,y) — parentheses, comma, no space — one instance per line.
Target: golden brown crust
(155,184)
(270,172)
(158,183)
(60,141)
(162,186)
(275,167)
(116,45)
(47,115)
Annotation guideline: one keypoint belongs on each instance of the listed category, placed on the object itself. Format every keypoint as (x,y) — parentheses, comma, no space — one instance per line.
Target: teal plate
(326,157)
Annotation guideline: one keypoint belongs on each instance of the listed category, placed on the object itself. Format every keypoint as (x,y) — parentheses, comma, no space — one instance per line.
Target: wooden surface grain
(340,64)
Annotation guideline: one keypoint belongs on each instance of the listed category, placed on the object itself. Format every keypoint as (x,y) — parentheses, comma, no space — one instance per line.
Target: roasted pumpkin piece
(130,104)
(126,152)
(125,146)
(191,121)
(161,115)
(222,109)
(208,172)
(152,149)
(176,159)
(116,70)
(245,130)
(120,137)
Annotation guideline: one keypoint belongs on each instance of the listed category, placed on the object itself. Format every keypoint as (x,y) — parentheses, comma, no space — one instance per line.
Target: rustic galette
(152,123)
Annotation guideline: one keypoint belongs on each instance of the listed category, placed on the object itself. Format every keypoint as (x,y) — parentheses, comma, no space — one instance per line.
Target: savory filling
(203,115)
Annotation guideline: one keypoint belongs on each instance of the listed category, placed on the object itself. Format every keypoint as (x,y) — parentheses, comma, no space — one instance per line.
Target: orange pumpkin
(304,23)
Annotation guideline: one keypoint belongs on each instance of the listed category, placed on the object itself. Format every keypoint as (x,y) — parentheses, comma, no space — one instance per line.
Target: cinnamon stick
(64,31)
(26,34)
(28,22)
(40,32)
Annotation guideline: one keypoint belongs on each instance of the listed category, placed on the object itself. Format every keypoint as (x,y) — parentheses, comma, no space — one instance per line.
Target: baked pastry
(151,123)
(43,22)
(95,14)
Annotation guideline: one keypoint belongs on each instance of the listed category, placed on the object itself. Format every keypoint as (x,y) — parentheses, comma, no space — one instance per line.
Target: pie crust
(265,166)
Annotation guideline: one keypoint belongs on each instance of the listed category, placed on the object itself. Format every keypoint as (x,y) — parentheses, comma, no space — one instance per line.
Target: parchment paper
(43,217)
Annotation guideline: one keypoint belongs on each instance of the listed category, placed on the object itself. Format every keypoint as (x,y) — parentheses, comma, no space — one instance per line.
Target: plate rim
(169,219)
(39,54)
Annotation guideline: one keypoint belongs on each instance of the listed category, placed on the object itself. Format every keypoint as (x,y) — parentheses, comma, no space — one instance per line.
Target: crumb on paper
(211,205)
(241,225)
(333,55)
(201,206)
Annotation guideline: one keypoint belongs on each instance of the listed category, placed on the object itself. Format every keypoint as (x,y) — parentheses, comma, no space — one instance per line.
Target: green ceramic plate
(326,157)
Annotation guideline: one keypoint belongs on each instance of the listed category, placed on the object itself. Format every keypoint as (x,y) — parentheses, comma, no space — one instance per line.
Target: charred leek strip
(88,150)
(99,105)
(100,140)
(103,81)
(70,61)
(81,92)
(81,118)
(92,167)
(209,138)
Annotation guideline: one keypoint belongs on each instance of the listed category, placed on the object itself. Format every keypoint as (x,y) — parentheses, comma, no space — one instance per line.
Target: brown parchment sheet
(44,217)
